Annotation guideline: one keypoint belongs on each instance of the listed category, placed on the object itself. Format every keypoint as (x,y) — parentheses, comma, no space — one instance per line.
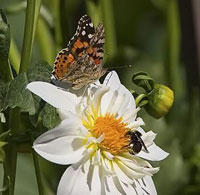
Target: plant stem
(58,32)
(38,173)
(11,152)
(173,47)
(10,168)
(37,169)
(28,36)
(108,19)
(93,11)
(32,15)
(36,17)
(15,8)
(44,38)
(139,98)
(14,55)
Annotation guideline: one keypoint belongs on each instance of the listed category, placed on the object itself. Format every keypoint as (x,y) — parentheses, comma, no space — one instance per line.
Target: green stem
(32,15)
(93,11)
(139,98)
(15,8)
(45,38)
(14,55)
(10,168)
(38,173)
(108,20)
(28,36)
(173,47)
(58,32)
(37,170)
(36,17)
(11,152)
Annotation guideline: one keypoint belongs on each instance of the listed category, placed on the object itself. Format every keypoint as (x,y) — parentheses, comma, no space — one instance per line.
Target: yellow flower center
(114,130)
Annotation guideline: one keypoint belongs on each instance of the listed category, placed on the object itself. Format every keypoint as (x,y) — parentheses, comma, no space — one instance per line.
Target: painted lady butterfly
(80,63)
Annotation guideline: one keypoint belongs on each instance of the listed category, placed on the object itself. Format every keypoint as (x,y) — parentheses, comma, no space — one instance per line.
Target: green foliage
(142,79)
(4,48)
(2,144)
(14,93)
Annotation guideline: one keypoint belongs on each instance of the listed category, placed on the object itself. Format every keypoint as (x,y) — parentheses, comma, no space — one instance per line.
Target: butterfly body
(81,62)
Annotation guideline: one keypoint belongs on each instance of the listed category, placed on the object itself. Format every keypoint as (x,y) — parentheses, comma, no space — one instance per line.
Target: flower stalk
(108,19)
(37,170)
(139,99)
(32,15)
(58,31)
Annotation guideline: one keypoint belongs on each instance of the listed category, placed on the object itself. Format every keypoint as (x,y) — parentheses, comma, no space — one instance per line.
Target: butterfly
(81,62)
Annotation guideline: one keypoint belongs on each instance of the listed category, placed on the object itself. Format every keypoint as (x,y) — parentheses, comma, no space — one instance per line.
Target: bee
(136,142)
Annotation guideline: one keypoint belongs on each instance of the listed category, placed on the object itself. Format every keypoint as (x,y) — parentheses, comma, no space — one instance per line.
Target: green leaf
(2,152)
(47,114)
(4,135)
(5,70)
(142,79)
(50,116)
(14,93)
(2,144)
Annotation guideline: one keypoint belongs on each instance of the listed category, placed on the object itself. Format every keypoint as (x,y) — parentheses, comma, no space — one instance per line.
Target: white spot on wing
(91,24)
(83,33)
(90,36)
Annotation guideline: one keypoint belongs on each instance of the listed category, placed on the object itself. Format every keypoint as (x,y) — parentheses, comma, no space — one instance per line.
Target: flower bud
(160,100)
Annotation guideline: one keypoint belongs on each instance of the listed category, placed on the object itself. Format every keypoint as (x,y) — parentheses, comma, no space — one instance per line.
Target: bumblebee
(136,142)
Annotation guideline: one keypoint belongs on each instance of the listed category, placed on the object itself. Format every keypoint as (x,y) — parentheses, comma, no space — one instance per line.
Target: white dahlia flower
(94,139)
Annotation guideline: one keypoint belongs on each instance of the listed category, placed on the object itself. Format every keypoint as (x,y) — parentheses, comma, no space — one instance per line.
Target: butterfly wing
(81,62)
(66,60)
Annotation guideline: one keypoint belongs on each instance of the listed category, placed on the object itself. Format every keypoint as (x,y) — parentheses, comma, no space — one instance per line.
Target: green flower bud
(160,100)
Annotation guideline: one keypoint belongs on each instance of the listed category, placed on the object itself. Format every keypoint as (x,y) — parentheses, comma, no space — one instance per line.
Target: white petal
(63,150)
(112,80)
(130,115)
(63,114)
(120,105)
(145,186)
(108,155)
(96,159)
(155,153)
(136,124)
(136,166)
(74,181)
(130,97)
(63,144)
(111,103)
(121,174)
(113,186)
(57,97)
(68,126)
(132,172)
(82,178)
(98,95)
(107,166)
(148,138)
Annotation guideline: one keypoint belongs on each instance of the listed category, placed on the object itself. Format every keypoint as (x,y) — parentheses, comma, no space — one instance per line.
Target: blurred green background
(157,36)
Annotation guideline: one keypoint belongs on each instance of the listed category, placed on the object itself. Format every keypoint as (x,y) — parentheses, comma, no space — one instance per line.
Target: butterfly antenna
(116,67)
